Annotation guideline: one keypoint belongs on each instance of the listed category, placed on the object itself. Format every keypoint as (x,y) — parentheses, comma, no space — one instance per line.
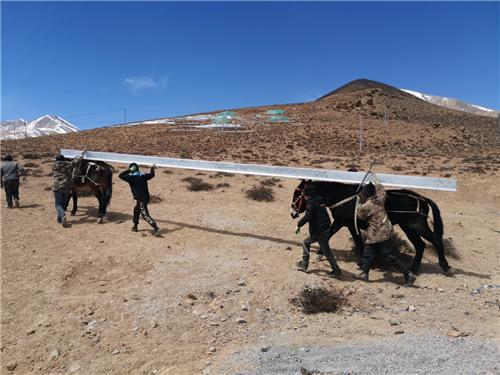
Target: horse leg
(419,246)
(102,205)
(75,203)
(438,244)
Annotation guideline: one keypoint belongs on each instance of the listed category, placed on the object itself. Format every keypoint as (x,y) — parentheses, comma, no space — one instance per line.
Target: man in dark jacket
(139,185)
(378,234)
(10,172)
(62,173)
(319,230)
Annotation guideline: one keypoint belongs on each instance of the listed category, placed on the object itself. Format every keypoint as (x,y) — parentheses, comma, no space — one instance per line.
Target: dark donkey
(93,177)
(405,208)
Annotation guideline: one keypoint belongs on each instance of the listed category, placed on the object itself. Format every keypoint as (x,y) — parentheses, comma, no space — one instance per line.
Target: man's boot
(302,265)
(155,232)
(363,276)
(134,228)
(16,203)
(410,278)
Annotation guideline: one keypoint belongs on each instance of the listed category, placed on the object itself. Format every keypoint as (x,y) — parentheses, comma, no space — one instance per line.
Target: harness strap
(343,201)
(356,208)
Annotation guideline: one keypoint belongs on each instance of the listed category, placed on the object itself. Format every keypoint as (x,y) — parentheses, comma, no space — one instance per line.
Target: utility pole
(25,129)
(360,135)
(125,116)
(15,129)
(385,114)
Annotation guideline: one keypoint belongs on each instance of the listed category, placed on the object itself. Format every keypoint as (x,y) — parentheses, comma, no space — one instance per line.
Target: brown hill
(418,137)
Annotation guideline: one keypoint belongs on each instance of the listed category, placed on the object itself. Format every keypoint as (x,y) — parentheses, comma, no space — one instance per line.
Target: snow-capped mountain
(452,103)
(45,125)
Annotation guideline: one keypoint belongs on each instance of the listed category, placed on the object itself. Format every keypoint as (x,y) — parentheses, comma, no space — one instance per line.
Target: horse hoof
(100,220)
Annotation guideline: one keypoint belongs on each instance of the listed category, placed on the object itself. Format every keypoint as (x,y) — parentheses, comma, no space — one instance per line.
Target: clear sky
(86,61)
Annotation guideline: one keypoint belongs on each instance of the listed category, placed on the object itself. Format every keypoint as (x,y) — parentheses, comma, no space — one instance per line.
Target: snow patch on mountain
(453,103)
(42,126)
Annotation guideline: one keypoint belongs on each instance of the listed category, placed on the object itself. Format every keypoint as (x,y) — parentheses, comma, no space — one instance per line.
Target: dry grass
(197,184)
(318,299)
(270,181)
(260,194)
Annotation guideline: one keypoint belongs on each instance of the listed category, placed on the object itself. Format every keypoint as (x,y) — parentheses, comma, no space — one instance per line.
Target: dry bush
(31,165)
(270,181)
(166,171)
(34,172)
(197,184)
(318,299)
(47,188)
(154,198)
(222,185)
(221,174)
(31,155)
(260,194)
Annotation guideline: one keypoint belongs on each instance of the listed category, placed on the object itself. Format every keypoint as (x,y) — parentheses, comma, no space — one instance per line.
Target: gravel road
(406,354)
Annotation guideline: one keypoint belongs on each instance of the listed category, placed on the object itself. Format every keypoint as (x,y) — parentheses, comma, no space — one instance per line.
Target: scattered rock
(440,290)
(411,308)
(115,352)
(456,333)
(394,322)
(241,283)
(288,248)
(240,321)
(399,332)
(244,308)
(214,324)
(54,354)
(212,349)
(265,349)
(11,366)
(191,296)
(74,368)
(30,332)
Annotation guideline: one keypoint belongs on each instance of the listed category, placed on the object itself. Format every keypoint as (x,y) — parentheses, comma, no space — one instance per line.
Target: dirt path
(94,299)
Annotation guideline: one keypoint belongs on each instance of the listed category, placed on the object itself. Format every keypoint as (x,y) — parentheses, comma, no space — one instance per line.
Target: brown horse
(94,177)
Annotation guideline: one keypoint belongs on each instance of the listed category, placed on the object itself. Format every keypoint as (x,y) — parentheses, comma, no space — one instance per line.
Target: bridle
(297,203)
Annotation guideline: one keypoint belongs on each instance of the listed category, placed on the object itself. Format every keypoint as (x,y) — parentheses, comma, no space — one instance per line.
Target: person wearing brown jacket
(378,234)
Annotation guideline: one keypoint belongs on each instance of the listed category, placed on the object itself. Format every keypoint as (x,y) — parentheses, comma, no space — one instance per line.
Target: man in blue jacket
(319,230)
(139,186)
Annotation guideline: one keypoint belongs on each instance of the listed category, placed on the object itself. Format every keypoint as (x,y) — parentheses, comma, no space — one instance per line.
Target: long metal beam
(413,182)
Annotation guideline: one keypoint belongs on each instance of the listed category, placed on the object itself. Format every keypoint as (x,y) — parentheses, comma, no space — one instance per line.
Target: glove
(297,230)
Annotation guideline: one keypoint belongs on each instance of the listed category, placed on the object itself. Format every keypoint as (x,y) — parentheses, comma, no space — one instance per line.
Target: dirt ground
(100,299)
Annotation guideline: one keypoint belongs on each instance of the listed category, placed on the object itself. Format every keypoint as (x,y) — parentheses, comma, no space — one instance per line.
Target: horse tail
(109,186)
(438,221)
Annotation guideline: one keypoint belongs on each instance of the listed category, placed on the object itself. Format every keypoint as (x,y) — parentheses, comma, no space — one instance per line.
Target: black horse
(405,208)
(93,177)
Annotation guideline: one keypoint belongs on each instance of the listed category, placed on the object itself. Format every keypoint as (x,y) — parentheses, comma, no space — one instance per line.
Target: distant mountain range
(452,103)
(45,125)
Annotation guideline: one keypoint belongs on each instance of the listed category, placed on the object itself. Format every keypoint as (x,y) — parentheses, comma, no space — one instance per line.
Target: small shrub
(155,198)
(260,194)
(166,171)
(31,155)
(222,185)
(31,165)
(270,181)
(47,188)
(317,299)
(197,184)
(221,174)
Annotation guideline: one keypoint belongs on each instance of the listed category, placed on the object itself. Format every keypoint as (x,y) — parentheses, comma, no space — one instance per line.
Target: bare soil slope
(94,299)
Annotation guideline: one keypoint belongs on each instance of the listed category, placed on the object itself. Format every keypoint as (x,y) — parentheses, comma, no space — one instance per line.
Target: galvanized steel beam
(413,182)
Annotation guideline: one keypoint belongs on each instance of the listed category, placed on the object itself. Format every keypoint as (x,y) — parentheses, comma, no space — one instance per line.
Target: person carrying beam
(139,186)
(377,235)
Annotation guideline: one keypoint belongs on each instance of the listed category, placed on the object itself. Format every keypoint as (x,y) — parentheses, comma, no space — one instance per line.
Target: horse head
(298,201)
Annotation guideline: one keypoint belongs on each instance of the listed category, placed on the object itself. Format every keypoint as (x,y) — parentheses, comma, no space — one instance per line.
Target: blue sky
(88,61)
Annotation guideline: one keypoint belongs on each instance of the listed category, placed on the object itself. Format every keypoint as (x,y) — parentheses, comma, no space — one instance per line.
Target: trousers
(141,209)
(384,250)
(11,191)
(61,198)
(322,240)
